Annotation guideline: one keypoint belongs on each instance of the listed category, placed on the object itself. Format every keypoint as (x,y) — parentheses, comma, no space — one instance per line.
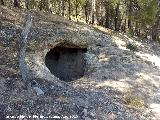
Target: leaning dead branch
(26,75)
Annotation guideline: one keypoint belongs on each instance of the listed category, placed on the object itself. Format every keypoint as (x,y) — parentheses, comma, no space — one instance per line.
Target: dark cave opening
(67,64)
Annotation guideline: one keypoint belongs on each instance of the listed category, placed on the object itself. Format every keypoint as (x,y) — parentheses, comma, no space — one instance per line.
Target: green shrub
(131,47)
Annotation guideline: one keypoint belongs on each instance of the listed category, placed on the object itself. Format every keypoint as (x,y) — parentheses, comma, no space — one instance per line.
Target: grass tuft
(133,100)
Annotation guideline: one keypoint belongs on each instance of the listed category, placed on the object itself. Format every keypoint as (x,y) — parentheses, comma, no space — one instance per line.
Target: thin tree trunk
(156,28)
(50,6)
(86,14)
(15,3)
(54,7)
(107,18)
(93,13)
(107,15)
(41,5)
(146,34)
(2,2)
(77,10)
(69,9)
(111,18)
(116,19)
(124,26)
(27,4)
(63,7)
(129,23)
(139,32)
(59,7)
(130,11)
(136,29)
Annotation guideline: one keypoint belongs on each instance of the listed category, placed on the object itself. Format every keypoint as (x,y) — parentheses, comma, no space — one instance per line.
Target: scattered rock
(38,91)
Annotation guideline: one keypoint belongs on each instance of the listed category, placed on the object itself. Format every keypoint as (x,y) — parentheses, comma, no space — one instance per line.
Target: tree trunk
(107,15)
(86,13)
(130,12)
(156,28)
(129,23)
(69,9)
(27,4)
(41,5)
(50,6)
(93,13)
(15,3)
(59,7)
(76,10)
(124,26)
(63,7)
(2,2)
(136,29)
(116,19)
(107,18)
(86,10)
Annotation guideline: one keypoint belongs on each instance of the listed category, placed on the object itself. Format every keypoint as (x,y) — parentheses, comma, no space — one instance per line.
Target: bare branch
(26,75)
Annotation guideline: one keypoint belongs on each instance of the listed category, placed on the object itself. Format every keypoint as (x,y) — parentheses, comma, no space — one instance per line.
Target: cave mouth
(68,64)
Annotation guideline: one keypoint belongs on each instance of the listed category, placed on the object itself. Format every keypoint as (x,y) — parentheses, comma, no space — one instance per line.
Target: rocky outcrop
(47,32)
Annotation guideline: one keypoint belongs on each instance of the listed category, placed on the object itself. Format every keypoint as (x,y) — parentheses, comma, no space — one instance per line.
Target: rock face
(51,31)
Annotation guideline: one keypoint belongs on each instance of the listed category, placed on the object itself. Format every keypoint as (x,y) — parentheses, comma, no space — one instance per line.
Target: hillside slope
(118,84)
(146,61)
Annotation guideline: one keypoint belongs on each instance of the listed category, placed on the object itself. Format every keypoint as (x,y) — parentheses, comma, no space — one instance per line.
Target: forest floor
(147,86)
(141,98)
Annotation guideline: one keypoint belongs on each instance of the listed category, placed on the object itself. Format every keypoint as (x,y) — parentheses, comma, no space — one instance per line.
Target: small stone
(38,91)
(101,56)
(87,118)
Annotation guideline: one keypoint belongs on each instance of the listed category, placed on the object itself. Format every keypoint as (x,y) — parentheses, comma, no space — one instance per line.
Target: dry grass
(132,100)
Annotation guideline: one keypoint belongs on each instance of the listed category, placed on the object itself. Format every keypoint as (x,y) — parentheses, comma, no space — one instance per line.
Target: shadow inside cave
(66,63)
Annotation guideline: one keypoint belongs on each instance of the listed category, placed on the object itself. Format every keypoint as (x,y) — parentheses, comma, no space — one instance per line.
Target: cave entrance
(67,64)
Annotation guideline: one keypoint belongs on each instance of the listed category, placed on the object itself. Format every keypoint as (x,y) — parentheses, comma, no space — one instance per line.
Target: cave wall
(66,63)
